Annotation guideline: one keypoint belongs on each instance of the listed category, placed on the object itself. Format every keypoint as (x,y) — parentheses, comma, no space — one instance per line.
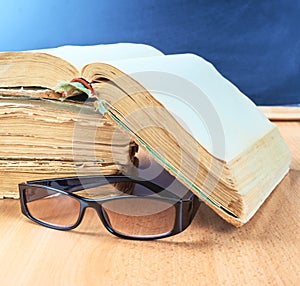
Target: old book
(38,141)
(41,136)
(195,123)
(200,127)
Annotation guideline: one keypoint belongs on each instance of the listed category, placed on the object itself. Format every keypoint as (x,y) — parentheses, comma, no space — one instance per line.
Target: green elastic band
(164,162)
(102,106)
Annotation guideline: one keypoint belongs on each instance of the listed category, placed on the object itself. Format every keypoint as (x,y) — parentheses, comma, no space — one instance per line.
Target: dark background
(255,44)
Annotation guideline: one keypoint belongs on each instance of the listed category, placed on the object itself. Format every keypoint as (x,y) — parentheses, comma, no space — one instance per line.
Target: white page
(222,119)
(82,55)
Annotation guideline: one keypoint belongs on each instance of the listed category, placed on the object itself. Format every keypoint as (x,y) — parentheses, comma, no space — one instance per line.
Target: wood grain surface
(281,113)
(265,251)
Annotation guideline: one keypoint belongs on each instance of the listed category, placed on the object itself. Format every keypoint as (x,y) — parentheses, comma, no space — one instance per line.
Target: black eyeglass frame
(185,207)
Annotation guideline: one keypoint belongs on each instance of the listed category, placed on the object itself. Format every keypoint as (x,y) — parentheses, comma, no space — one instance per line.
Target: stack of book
(179,108)
(42,136)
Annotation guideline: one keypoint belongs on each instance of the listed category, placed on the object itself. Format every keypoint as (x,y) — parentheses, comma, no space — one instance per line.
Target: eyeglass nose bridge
(97,206)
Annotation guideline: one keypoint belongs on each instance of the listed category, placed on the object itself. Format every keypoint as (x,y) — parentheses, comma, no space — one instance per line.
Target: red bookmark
(85,83)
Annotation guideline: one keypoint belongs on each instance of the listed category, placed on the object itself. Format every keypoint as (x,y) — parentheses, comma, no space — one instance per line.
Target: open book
(193,121)
(46,68)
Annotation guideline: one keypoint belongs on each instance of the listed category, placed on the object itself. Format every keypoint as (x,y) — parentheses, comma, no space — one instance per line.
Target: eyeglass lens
(140,216)
(127,216)
(52,207)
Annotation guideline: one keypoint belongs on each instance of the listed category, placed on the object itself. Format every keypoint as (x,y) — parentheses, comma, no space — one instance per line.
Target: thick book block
(42,138)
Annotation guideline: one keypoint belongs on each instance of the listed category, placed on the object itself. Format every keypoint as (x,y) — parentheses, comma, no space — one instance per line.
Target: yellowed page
(214,111)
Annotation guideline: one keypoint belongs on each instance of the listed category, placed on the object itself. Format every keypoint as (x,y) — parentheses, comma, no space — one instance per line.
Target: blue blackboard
(255,44)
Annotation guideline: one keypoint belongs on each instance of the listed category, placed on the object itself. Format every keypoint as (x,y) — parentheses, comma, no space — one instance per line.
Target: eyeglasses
(129,207)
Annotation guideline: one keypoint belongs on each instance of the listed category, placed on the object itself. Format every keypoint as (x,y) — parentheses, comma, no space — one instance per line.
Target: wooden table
(266,251)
